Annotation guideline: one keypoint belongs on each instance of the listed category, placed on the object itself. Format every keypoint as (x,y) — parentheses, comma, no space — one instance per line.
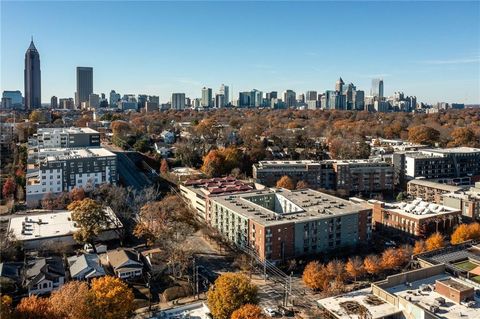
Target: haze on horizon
(427,49)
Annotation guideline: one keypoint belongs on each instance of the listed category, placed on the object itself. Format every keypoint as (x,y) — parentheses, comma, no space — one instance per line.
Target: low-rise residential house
(44,275)
(162,150)
(168,137)
(126,263)
(85,267)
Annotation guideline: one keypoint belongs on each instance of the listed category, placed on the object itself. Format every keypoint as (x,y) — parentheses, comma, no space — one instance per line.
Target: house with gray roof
(126,263)
(85,267)
(44,275)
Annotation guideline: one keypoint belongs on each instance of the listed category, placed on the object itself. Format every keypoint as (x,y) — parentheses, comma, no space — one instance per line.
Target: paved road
(129,173)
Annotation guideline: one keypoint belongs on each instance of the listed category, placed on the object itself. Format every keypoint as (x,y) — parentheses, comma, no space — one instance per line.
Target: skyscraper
(114,98)
(206,97)
(377,88)
(290,98)
(339,85)
(84,85)
(178,101)
(54,102)
(225,90)
(219,100)
(32,78)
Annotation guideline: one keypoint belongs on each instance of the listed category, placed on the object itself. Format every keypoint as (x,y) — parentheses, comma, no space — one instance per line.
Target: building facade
(279,224)
(32,78)
(84,85)
(64,138)
(429,191)
(178,101)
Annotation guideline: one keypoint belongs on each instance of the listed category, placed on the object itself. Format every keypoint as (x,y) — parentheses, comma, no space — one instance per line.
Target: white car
(270,312)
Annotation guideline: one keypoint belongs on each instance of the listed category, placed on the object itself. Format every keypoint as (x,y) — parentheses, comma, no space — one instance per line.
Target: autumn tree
(372,265)
(71,300)
(336,270)
(302,185)
(230,292)
(120,129)
(164,167)
(391,259)
(465,232)
(213,164)
(464,136)
(36,117)
(435,241)
(77,193)
(248,311)
(35,307)
(8,188)
(6,310)
(285,182)
(91,217)
(354,268)
(110,298)
(419,247)
(423,134)
(315,276)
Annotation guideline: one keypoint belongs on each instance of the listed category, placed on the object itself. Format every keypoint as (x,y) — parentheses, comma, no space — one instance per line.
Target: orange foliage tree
(419,247)
(372,265)
(35,307)
(465,232)
(71,300)
(354,267)
(423,134)
(110,298)
(315,276)
(285,182)
(248,311)
(435,241)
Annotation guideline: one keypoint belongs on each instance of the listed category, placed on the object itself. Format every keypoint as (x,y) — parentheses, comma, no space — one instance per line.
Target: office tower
(196,102)
(84,85)
(178,101)
(339,85)
(256,98)
(311,96)
(219,100)
(12,99)
(93,100)
(301,98)
(142,98)
(206,97)
(377,88)
(359,100)
(114,98)
(349,96)
(188,102)
(66,103)
(272,95)
(32,78)
(244,99)
(154,99)
(225,90)
(54,102)
(290,98)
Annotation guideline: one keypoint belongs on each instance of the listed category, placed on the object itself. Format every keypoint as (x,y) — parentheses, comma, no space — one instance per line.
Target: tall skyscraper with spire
(32,78)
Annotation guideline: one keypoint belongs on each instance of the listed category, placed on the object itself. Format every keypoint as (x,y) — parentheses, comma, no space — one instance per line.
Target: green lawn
(466,265)
(476,279)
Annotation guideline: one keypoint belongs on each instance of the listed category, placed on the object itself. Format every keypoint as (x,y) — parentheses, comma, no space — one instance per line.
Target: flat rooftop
(48,224)
(442,152)
(289,206)
(71,153)
(69,130)
(420,209)
(424,299)
(217,186)
(377,307)
(427,183)
(197,310)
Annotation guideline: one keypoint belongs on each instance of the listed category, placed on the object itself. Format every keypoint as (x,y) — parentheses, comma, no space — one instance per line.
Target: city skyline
(149,60)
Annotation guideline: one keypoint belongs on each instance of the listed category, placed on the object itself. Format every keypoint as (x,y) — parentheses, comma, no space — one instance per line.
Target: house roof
(10,270)
(44,268)
(88,263)
(124,258)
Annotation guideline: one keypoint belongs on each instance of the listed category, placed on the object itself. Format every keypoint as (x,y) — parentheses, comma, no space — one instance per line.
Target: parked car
(270,312)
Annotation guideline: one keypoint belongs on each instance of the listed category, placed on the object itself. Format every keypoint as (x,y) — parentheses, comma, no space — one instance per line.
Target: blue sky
(427,49)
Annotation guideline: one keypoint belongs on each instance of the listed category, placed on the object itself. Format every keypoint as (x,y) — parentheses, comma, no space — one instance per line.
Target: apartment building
(467,200)
(430,191)
(280,224)
(198,191)
(317,174)
(363,176)
(447,163)
(415,219)
(63,169)
(64,138)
